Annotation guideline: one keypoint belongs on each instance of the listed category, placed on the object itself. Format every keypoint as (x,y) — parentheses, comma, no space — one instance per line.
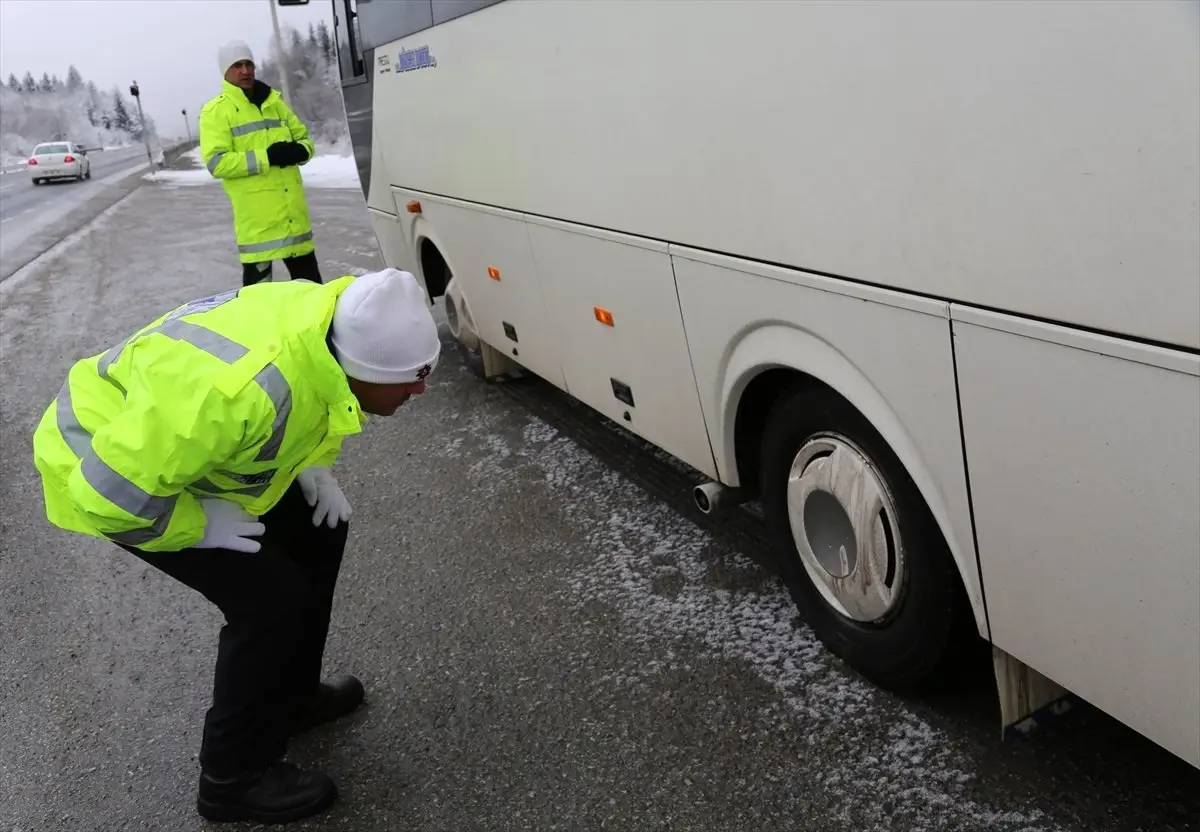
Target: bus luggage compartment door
(612,302)
(487,250)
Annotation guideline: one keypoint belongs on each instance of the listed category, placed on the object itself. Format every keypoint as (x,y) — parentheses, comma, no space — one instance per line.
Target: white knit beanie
(383,331)
(231,53)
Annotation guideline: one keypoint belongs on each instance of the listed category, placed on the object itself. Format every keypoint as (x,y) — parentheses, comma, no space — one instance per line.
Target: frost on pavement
(880,766)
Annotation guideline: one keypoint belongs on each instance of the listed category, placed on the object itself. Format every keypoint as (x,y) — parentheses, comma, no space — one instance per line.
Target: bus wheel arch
(779,414)
(441,281)
(435,271)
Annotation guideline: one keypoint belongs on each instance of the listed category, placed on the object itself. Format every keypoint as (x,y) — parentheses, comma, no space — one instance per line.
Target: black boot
(335,699)
(280,793)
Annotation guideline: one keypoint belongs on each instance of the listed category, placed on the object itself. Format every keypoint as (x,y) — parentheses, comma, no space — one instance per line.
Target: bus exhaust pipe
(712,497)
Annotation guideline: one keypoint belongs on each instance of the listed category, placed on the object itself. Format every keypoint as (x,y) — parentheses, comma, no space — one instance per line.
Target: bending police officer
(203,445)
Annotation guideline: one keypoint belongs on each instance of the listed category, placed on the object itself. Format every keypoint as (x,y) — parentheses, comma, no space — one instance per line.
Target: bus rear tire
(860,553)
(472,359)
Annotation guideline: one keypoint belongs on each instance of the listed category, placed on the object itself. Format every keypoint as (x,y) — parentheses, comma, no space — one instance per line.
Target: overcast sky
(169,46)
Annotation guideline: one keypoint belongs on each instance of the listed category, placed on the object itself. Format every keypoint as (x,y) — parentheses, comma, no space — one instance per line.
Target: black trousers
(300,267)
(277,604)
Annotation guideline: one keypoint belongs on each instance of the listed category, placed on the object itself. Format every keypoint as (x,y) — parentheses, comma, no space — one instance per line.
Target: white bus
(923,278)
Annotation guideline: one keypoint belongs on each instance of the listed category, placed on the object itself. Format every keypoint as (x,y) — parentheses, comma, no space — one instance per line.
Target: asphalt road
(550,638)
(19,196)
(30,214)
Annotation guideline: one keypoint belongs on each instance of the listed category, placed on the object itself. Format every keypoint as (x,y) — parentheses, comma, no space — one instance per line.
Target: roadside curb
(83,214)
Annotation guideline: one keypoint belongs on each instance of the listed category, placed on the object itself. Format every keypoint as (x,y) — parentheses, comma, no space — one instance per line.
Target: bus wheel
(860,553)
(466,341)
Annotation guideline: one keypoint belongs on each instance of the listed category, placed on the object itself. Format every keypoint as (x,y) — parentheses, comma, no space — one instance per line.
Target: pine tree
(45,85)
(136,128)
(74,79)
(325,40)
(29,84)
(57,83)
(13,83)
(121,120)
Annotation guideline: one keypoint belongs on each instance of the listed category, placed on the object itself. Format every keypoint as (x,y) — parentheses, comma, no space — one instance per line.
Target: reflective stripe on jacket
(231,395)
(270,215)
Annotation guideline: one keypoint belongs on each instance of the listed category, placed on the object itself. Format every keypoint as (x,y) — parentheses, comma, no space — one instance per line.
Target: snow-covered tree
(121,118)
(314,83)
(325,43)
(74,110)
(93,106)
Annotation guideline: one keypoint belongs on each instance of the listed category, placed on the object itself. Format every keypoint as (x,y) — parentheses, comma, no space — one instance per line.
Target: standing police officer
(253,142)
(202,444)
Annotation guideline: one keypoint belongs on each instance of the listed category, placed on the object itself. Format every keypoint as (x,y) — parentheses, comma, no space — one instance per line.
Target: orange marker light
(414,207)
(604,316)
(493,273)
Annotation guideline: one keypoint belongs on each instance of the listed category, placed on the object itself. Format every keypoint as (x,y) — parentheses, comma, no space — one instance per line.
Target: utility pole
(136,93)
(188,125)
(283,64)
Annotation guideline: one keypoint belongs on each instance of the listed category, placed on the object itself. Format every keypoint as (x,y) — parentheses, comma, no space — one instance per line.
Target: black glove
(283,154)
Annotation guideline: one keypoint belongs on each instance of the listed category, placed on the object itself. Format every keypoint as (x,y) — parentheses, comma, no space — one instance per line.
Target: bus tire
(823,453)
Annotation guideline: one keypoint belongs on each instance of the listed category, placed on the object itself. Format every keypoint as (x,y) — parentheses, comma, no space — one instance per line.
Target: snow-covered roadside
(325,170)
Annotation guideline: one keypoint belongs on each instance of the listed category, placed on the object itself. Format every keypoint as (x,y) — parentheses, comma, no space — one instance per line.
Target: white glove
(321,490)
(228,526)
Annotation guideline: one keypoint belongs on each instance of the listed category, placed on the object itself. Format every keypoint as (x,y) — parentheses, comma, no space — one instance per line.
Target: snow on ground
(325,170)
(331,171)
(911,777)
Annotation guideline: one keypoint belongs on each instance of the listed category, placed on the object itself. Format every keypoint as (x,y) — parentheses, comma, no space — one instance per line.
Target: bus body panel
(1039,158)
(1085,474)
(488,251)
(888,354)
(645,349)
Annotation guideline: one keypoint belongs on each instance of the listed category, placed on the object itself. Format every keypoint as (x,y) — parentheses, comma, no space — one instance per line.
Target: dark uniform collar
(257,96)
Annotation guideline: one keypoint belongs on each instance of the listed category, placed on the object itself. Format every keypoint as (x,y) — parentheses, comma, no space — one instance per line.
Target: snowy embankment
(328,169)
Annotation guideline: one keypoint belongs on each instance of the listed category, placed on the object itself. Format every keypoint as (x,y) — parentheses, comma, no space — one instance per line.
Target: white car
(59,160)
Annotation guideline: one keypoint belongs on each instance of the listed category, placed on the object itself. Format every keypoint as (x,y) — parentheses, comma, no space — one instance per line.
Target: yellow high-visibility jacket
(270,214)
(231,396)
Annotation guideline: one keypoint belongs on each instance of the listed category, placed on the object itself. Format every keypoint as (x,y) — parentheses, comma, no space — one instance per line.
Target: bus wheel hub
(844,523)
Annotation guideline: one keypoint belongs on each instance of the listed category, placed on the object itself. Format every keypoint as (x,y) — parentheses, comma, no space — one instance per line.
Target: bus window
(349,40)
(444,10)
(383,21)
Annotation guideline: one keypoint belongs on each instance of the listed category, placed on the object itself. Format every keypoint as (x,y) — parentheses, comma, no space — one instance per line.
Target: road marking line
(14,216)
